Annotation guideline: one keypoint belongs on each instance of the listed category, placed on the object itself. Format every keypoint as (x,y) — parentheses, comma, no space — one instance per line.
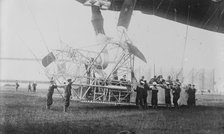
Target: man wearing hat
(67,94)
(154,99)
(139,95)
(17,85)
(193,95)
(145,94)
(123,81)
(50,93)
(167,87)
(176,94)
(34,86)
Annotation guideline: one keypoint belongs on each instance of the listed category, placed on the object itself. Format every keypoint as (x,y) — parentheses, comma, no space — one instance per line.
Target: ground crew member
(34,86)
(142,79)
(17,85)
(153,80)
(176,94)
(139,96)
(193,95)
(124,78)
(123,81)
(67,94)
(154,100)
(169,80)
(29,87)
(50,94)
(189,92)
(145,94)
(167,87)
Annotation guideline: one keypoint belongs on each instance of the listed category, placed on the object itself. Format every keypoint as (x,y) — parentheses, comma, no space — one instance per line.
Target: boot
(47,107)
(65,109)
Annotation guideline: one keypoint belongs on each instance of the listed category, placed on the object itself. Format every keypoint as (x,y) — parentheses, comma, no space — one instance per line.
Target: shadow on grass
(78,127)
(132,107)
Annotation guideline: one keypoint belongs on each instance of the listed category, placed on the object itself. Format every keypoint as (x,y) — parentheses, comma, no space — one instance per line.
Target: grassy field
(25,113)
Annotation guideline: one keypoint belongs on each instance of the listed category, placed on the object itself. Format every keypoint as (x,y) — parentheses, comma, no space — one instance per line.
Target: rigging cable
(220,17)
(215,12)
(38,28)
(185,44)
(167,11)
(41,34)
(161,1)
(28,48)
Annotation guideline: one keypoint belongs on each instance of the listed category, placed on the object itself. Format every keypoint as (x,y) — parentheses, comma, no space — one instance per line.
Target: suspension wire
(42,38)
(215,12)
(59,35)
(167,11)
(185,42)
(41,34)
(161,1)
(219,19)
(175,17)
(24,43)
(38,28)
(153,7)
(28,48)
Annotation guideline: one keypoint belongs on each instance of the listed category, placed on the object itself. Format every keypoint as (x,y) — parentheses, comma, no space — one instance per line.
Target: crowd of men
(155,85)
(170,87)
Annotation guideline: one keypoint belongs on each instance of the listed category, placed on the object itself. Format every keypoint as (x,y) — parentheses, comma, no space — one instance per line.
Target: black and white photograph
(111,66)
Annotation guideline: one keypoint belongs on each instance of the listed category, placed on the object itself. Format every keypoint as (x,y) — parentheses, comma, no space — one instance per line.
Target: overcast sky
(29,27)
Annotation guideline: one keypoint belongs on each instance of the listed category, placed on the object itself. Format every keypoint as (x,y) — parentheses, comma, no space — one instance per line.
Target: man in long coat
(50,93)
(167,88)
(67,94)
(193,95)
(139,95)
(176,94)
(154,99)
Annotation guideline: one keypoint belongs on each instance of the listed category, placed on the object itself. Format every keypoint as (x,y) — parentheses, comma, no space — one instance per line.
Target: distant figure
(67,94)
(142,79)
(154,99)
(153,80)
(29,87)
(159,79)
(34,86)
(193,95)
(17,85)
(176,94)
(169,79)
(167,87)
(139,95)
(50,93)
(145,94)
(189,92)
(123,80)
(115,77)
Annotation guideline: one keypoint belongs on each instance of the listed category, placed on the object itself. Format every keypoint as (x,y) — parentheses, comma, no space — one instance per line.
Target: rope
(24,43)
(161,1)
(170,2)
(210,18)
(185,42)
(59,36)
(220,19)
(38,28)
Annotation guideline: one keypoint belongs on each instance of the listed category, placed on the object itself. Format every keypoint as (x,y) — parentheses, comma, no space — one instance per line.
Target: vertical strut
(126,13)
(97,20)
